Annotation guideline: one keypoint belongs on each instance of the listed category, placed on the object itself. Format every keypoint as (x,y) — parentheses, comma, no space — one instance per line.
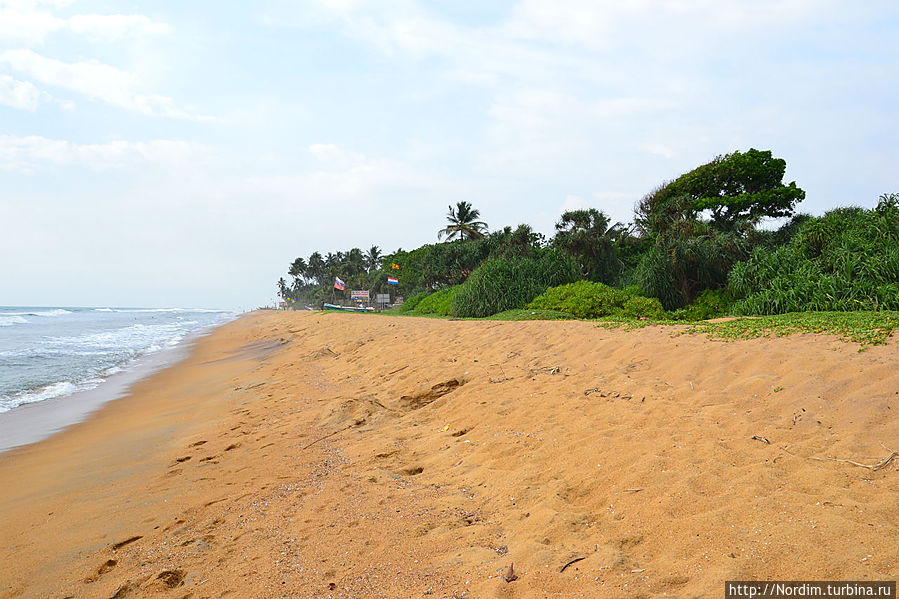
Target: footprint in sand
(169,579)
(123,591)
(103,569)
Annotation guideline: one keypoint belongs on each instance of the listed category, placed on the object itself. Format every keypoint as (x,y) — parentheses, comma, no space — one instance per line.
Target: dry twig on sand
(574,561)
(872,467)
(328,435)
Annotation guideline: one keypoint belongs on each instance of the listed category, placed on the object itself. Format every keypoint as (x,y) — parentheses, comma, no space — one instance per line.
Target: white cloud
(662,27)
(97,81)
(18,94)
(28,27)
(116,27)
(26,5)
(30,153)
(27,23)
(332,156)
(573,202)
(657,149)
(345,174)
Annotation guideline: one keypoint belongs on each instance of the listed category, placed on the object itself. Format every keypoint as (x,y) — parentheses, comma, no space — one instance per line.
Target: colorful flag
(395,266)
(393,281)
(339,284)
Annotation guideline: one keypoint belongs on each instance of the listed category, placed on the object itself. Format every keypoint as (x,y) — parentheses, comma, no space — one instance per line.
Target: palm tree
(316,268)
(463,223)
(298,269)
(373,258)
(283,290)
(353,262)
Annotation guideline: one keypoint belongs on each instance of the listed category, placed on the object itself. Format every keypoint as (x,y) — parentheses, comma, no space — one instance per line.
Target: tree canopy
(463,223)
(740,187)
(589,238)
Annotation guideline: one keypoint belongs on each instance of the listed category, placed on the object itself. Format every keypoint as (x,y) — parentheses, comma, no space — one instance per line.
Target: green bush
(711,303)
(643,307)
(438,302)
(586,299)
(507,283)
(846,260)
(411,304)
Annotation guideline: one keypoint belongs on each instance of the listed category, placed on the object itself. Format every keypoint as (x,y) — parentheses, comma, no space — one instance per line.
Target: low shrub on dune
(410,304)
(586,299)
(438,302)
(711,303)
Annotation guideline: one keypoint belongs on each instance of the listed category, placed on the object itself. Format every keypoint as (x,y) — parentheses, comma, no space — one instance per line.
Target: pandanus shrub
(507,283)
(846,260)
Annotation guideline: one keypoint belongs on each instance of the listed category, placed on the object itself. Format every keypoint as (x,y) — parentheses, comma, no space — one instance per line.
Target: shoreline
(33,422)
(316,454)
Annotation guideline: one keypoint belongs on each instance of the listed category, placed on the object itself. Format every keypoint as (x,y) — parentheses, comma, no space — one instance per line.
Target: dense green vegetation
(846,260)
(585,299)
(439,302)
(510,282)
(695,251)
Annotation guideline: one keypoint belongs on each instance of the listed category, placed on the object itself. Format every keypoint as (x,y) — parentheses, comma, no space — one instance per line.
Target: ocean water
(48,352)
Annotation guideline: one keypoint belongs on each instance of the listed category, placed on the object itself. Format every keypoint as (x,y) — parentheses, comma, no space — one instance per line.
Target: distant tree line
(696,235)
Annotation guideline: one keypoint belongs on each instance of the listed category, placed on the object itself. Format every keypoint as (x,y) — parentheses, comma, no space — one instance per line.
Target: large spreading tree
(736,189)
(689,252)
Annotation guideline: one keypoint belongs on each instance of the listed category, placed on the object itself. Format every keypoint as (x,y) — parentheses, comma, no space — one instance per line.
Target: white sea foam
(55,358)
(48,392)
(147,310)
(56,312)
(8,321)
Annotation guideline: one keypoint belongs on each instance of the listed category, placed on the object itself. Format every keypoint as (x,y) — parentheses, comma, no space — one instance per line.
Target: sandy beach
(348,455)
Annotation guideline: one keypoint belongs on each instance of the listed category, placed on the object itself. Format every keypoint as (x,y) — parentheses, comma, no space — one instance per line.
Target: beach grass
(863,327)
(530,314)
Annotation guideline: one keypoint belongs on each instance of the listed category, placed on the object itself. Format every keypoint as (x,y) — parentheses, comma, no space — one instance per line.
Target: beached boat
(349,308)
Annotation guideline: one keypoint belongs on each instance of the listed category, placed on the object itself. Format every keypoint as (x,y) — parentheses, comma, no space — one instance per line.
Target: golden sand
(345,455)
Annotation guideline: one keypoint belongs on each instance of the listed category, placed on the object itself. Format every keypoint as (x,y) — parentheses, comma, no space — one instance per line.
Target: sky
(181,154)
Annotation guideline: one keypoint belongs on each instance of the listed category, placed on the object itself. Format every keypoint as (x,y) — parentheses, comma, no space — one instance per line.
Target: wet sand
(32,422)
(353,455)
